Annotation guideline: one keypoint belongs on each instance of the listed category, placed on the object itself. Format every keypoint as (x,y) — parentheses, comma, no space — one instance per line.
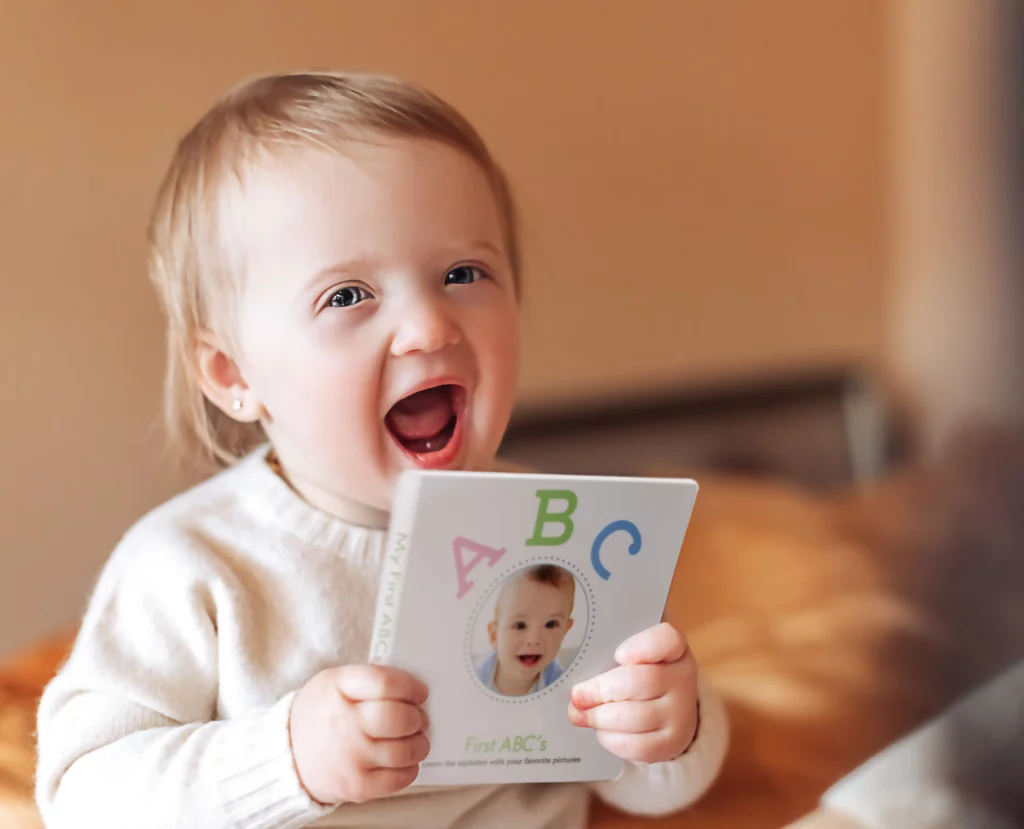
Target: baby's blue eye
(348,296)
(463,275)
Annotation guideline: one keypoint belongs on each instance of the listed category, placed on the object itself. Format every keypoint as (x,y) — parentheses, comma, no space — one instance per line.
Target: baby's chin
(476,459)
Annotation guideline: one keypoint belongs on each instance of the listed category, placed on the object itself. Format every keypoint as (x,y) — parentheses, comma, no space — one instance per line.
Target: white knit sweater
(172,710)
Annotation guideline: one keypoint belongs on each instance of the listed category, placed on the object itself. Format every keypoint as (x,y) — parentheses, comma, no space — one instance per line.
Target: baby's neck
(333,503)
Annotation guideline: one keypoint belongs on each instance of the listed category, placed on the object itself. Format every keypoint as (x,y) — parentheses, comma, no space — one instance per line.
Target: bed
(832,623)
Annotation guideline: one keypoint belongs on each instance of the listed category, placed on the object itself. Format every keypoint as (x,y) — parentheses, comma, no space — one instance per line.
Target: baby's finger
(625,717)
(378,783)
(398,754)
(388,719)
(661,643)
(641,748)
(360,683)
(630,682)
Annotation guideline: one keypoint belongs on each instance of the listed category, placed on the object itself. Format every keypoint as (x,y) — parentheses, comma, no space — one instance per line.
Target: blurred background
(763,240)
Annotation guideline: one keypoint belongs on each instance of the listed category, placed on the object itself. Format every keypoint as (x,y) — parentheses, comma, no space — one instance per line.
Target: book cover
(503,591)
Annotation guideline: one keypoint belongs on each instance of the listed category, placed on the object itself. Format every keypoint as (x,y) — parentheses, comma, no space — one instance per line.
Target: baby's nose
(427,328)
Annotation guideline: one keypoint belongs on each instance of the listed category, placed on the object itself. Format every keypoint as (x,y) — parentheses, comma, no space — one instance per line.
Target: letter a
(462,568)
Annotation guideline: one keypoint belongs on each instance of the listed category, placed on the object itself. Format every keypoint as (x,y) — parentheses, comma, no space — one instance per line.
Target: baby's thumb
(661,643)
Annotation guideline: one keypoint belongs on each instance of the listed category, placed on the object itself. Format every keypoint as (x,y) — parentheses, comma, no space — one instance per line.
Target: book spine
(394,569)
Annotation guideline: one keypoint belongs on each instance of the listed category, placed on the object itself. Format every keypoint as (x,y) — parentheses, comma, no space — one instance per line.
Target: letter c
(615,526)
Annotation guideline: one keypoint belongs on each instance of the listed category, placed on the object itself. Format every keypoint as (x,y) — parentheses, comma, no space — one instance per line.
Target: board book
(502,591)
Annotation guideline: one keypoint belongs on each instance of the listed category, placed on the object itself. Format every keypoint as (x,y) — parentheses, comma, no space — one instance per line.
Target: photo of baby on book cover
(502,591)
(526,641)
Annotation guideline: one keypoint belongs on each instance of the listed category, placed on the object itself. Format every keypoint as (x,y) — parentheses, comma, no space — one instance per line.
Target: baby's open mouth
(424,423)
(529,659)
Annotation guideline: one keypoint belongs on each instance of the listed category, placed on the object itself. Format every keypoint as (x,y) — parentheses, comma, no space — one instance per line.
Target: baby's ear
(492,635)
(572,622)
(221,379)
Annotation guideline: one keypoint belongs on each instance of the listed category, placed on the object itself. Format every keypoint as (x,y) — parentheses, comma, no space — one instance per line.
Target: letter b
(545,516)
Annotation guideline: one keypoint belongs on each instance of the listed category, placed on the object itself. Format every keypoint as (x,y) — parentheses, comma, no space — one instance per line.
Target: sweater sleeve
(127,730)
(661,788)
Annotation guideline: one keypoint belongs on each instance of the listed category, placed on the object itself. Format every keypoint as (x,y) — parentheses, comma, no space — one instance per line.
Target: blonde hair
(190,265)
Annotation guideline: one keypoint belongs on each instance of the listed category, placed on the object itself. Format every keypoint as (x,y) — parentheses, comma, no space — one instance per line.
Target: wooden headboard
(824,430)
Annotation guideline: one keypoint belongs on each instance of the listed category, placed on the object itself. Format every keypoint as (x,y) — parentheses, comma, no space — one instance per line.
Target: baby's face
(528,629)
(378,319)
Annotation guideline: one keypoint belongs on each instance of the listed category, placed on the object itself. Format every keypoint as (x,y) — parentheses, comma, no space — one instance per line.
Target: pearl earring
(237,404)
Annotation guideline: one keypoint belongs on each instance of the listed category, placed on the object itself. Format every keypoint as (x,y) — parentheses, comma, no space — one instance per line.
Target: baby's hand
(646,709)
(358,733)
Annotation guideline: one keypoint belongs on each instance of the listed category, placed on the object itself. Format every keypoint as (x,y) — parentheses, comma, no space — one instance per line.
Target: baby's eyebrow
(488,246)
(479,245)
(347,268)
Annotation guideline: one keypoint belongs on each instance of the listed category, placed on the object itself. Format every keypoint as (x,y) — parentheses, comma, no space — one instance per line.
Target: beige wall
(707,180)
(956,303)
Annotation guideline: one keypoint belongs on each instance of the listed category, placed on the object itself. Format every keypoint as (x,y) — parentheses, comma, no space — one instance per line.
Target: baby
(532,615)
(338,262)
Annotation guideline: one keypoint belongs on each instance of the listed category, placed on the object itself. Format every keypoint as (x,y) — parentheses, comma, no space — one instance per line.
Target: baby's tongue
(421,415)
